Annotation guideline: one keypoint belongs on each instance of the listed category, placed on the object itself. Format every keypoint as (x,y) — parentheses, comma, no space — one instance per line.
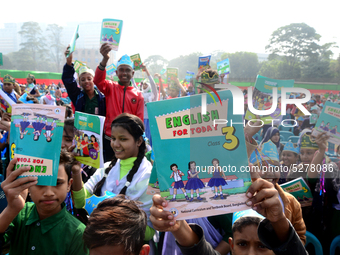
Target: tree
(155,63)
(7,63)
(243,65)
(33,43)
(185,63)
(295,42)
(56,47)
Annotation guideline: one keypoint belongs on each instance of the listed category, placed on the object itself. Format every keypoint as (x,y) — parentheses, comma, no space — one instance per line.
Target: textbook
(204,62)
(171,75)
(198,156)
(223,67)
(262,98)
(111,32)
(35,139)
(77,64)
(6,102)
(88,139)
(300,190)
(92,202)
(73,42)
(136,62)
(189,75)
(329,121)
(110,70)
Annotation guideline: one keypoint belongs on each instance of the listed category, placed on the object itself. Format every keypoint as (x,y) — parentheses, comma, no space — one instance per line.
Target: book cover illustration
(35,139)
(153,187)
(263,97)
(6,102)
(88,137)
(329,121)
(171,76)
(198,162)
(92,202)
(111,32)
(300,190)
(204,62)
(136,62)
(73,41)
(223,67)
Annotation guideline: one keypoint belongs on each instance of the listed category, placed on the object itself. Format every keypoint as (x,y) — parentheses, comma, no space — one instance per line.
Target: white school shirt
(177,177)
(137,189)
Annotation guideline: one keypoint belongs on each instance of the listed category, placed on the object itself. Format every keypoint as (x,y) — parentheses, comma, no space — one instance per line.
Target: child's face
(29,80)
(173,92)
(193,166)
(306,155)
(8,87)
(248,242)
(174,168)
(215,163)
(48,199)
(275,138)
(86,82)
(289,158)
(123,143)
(125,73)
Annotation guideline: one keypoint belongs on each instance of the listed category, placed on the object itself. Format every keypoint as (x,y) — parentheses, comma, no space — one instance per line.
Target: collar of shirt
(49,222)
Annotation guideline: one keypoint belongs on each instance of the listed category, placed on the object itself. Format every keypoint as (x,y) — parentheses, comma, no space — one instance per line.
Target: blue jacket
(76,95)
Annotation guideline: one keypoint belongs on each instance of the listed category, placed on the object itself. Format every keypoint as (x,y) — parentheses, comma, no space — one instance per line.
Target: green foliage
(243,65)
(185,63)
(7,63)
(280,69)
(155,63)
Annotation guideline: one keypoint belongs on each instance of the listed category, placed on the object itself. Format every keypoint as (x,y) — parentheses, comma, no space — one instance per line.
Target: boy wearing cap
(8,88)
(87,98)
(120,96)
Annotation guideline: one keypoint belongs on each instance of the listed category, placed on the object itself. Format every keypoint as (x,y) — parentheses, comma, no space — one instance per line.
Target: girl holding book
(129,171)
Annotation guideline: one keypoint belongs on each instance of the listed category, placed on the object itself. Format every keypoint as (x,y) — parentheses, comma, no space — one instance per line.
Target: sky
(174,28)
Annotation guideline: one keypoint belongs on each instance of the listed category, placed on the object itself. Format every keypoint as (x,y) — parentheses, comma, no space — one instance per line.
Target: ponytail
(97,189)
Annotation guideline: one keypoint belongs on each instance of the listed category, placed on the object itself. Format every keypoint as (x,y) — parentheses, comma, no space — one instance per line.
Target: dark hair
(135,127)
(31,98)
(116,221)
(69,126)
(60,103)
(68,161)
(69,111)
(190,164)
(245,222)
(92,136)
(215,159)
(172,165)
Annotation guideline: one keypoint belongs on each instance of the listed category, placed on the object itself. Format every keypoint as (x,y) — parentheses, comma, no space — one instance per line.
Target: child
(129,171)
(120,96)
(8,88)
(276,232)
(49,127)
(217,180)
(31,88)
(177,175)
(38,126)
(23,125)
(194,183)
(116,226)
(44,226)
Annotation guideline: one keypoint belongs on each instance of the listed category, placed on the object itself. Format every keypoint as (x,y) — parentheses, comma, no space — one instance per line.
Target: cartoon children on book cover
(262,98)
(198,156)
(35,139)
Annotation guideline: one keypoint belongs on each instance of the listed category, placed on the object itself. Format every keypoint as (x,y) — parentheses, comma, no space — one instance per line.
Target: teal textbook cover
(88,137)
(35,139)
(263,97)
(110,70)
(73,42)
(223,67)
(199,163)
(300,190)
(111,32)
(329,121)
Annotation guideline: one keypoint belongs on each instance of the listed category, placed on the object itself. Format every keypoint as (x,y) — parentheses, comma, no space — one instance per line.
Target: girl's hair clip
(127,184)
(144,137)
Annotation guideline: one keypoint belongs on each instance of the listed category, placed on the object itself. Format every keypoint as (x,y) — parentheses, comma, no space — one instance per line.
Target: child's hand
(162,220)
(16,188)
(69,58)
(321,141)
(157,75)
(264,198)
(105,50)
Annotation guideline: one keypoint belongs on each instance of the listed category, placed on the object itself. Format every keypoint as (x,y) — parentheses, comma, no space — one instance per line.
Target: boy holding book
(44,226)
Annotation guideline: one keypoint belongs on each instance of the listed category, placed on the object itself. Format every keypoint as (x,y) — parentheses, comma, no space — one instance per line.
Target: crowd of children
(36,219)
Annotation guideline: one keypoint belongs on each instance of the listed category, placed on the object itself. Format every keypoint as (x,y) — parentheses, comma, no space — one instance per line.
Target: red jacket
(114,96)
